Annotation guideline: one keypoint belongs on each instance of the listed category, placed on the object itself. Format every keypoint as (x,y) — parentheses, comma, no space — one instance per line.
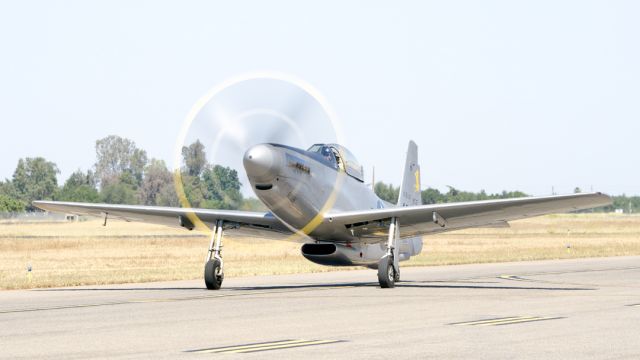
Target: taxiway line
(283,344)
(294,313)
(506,320)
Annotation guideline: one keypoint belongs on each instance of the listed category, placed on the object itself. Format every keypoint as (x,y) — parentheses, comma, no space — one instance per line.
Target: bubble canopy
(341,158)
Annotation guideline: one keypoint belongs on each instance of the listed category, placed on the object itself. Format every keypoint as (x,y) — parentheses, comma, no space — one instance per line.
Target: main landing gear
(388,267)
(213,269)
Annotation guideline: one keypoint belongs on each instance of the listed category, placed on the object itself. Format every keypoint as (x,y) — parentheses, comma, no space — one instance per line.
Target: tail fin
(410,187)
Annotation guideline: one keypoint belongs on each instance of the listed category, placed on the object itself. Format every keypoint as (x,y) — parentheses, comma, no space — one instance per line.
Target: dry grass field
(85,252)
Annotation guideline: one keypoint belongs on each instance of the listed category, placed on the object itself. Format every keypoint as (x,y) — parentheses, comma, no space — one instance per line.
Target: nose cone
(260,162)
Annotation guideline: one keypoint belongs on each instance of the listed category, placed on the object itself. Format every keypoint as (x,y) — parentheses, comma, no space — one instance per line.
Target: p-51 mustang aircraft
(321,192)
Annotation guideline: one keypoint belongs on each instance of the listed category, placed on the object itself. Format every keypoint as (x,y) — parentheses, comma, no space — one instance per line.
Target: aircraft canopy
(341,158)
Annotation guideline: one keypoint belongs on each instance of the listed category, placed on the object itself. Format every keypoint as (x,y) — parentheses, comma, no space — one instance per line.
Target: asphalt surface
(546,309)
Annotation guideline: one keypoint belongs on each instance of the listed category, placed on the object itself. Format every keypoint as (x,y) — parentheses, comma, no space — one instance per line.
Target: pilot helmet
(326,151)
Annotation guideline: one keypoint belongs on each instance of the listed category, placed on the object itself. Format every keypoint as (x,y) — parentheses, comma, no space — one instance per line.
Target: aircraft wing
(425,219)
(247,223)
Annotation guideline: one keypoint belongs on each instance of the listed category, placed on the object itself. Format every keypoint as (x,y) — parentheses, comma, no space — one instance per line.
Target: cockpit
(338,157)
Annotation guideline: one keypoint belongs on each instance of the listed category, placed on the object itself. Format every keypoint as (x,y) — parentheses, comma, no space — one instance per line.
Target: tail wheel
(386,273)
(213,274)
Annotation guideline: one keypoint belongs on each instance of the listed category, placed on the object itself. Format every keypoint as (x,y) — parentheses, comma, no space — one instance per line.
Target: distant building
(71,217)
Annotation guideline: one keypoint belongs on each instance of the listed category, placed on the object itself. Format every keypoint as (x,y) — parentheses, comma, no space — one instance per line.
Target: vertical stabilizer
(410,187)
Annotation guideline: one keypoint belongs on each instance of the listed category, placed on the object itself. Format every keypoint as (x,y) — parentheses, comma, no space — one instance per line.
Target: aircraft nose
(260,162)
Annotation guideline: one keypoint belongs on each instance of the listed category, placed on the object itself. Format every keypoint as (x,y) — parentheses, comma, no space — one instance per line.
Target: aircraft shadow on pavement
(489,287)
(232,288)
(122,289)
(403,284)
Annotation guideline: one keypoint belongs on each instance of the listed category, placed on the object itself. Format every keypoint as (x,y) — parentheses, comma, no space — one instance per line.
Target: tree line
(388,192)
(123,174)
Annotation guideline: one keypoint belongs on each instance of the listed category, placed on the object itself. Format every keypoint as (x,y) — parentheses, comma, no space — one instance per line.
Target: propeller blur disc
(249,110)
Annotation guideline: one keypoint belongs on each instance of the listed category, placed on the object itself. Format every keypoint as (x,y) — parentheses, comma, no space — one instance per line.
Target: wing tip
(605,198)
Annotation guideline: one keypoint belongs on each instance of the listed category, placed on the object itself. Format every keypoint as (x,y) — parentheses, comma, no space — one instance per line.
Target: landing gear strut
(388,267)
(213,269)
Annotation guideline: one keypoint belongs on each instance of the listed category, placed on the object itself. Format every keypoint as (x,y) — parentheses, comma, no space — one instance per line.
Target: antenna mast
(373,178)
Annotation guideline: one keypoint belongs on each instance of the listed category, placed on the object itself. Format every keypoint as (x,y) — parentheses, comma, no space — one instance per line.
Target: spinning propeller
(250,110)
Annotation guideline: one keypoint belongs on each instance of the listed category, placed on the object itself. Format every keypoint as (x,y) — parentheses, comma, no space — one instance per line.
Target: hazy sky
(498,94)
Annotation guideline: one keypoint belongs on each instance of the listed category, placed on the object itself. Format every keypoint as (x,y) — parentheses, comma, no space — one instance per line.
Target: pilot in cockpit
(327,154)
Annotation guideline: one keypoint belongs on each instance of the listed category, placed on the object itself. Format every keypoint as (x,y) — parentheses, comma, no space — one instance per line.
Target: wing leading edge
(246,222)
(425,219)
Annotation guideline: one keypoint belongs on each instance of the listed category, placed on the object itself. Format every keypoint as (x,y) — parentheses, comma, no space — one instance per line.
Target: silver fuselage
(297,185)
(300,186)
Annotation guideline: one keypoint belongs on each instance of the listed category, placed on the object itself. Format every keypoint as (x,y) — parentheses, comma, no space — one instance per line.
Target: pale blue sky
(498,94)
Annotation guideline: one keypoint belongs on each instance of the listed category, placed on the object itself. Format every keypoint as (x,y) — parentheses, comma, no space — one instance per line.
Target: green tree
(80,187)
(10,204)
(122,190)
(116,156)
(432,196)
(167,197)
(35,179)
(7,189)
(194,190)
(157,180)
(208,186)
(387,192)
(217,188)
(222,187)
(628,204)
(194,159)
(511,194)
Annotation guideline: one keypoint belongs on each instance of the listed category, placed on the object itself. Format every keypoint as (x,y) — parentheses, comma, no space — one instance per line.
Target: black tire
(386,273)
(212,275)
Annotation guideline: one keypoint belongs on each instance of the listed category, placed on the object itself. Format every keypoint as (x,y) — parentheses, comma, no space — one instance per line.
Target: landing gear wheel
(213,274)
(386,273)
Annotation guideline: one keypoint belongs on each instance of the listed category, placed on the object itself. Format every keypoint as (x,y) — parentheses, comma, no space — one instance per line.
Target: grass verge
(85,253)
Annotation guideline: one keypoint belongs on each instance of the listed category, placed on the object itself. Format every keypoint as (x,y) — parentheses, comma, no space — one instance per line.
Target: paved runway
(547,309)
